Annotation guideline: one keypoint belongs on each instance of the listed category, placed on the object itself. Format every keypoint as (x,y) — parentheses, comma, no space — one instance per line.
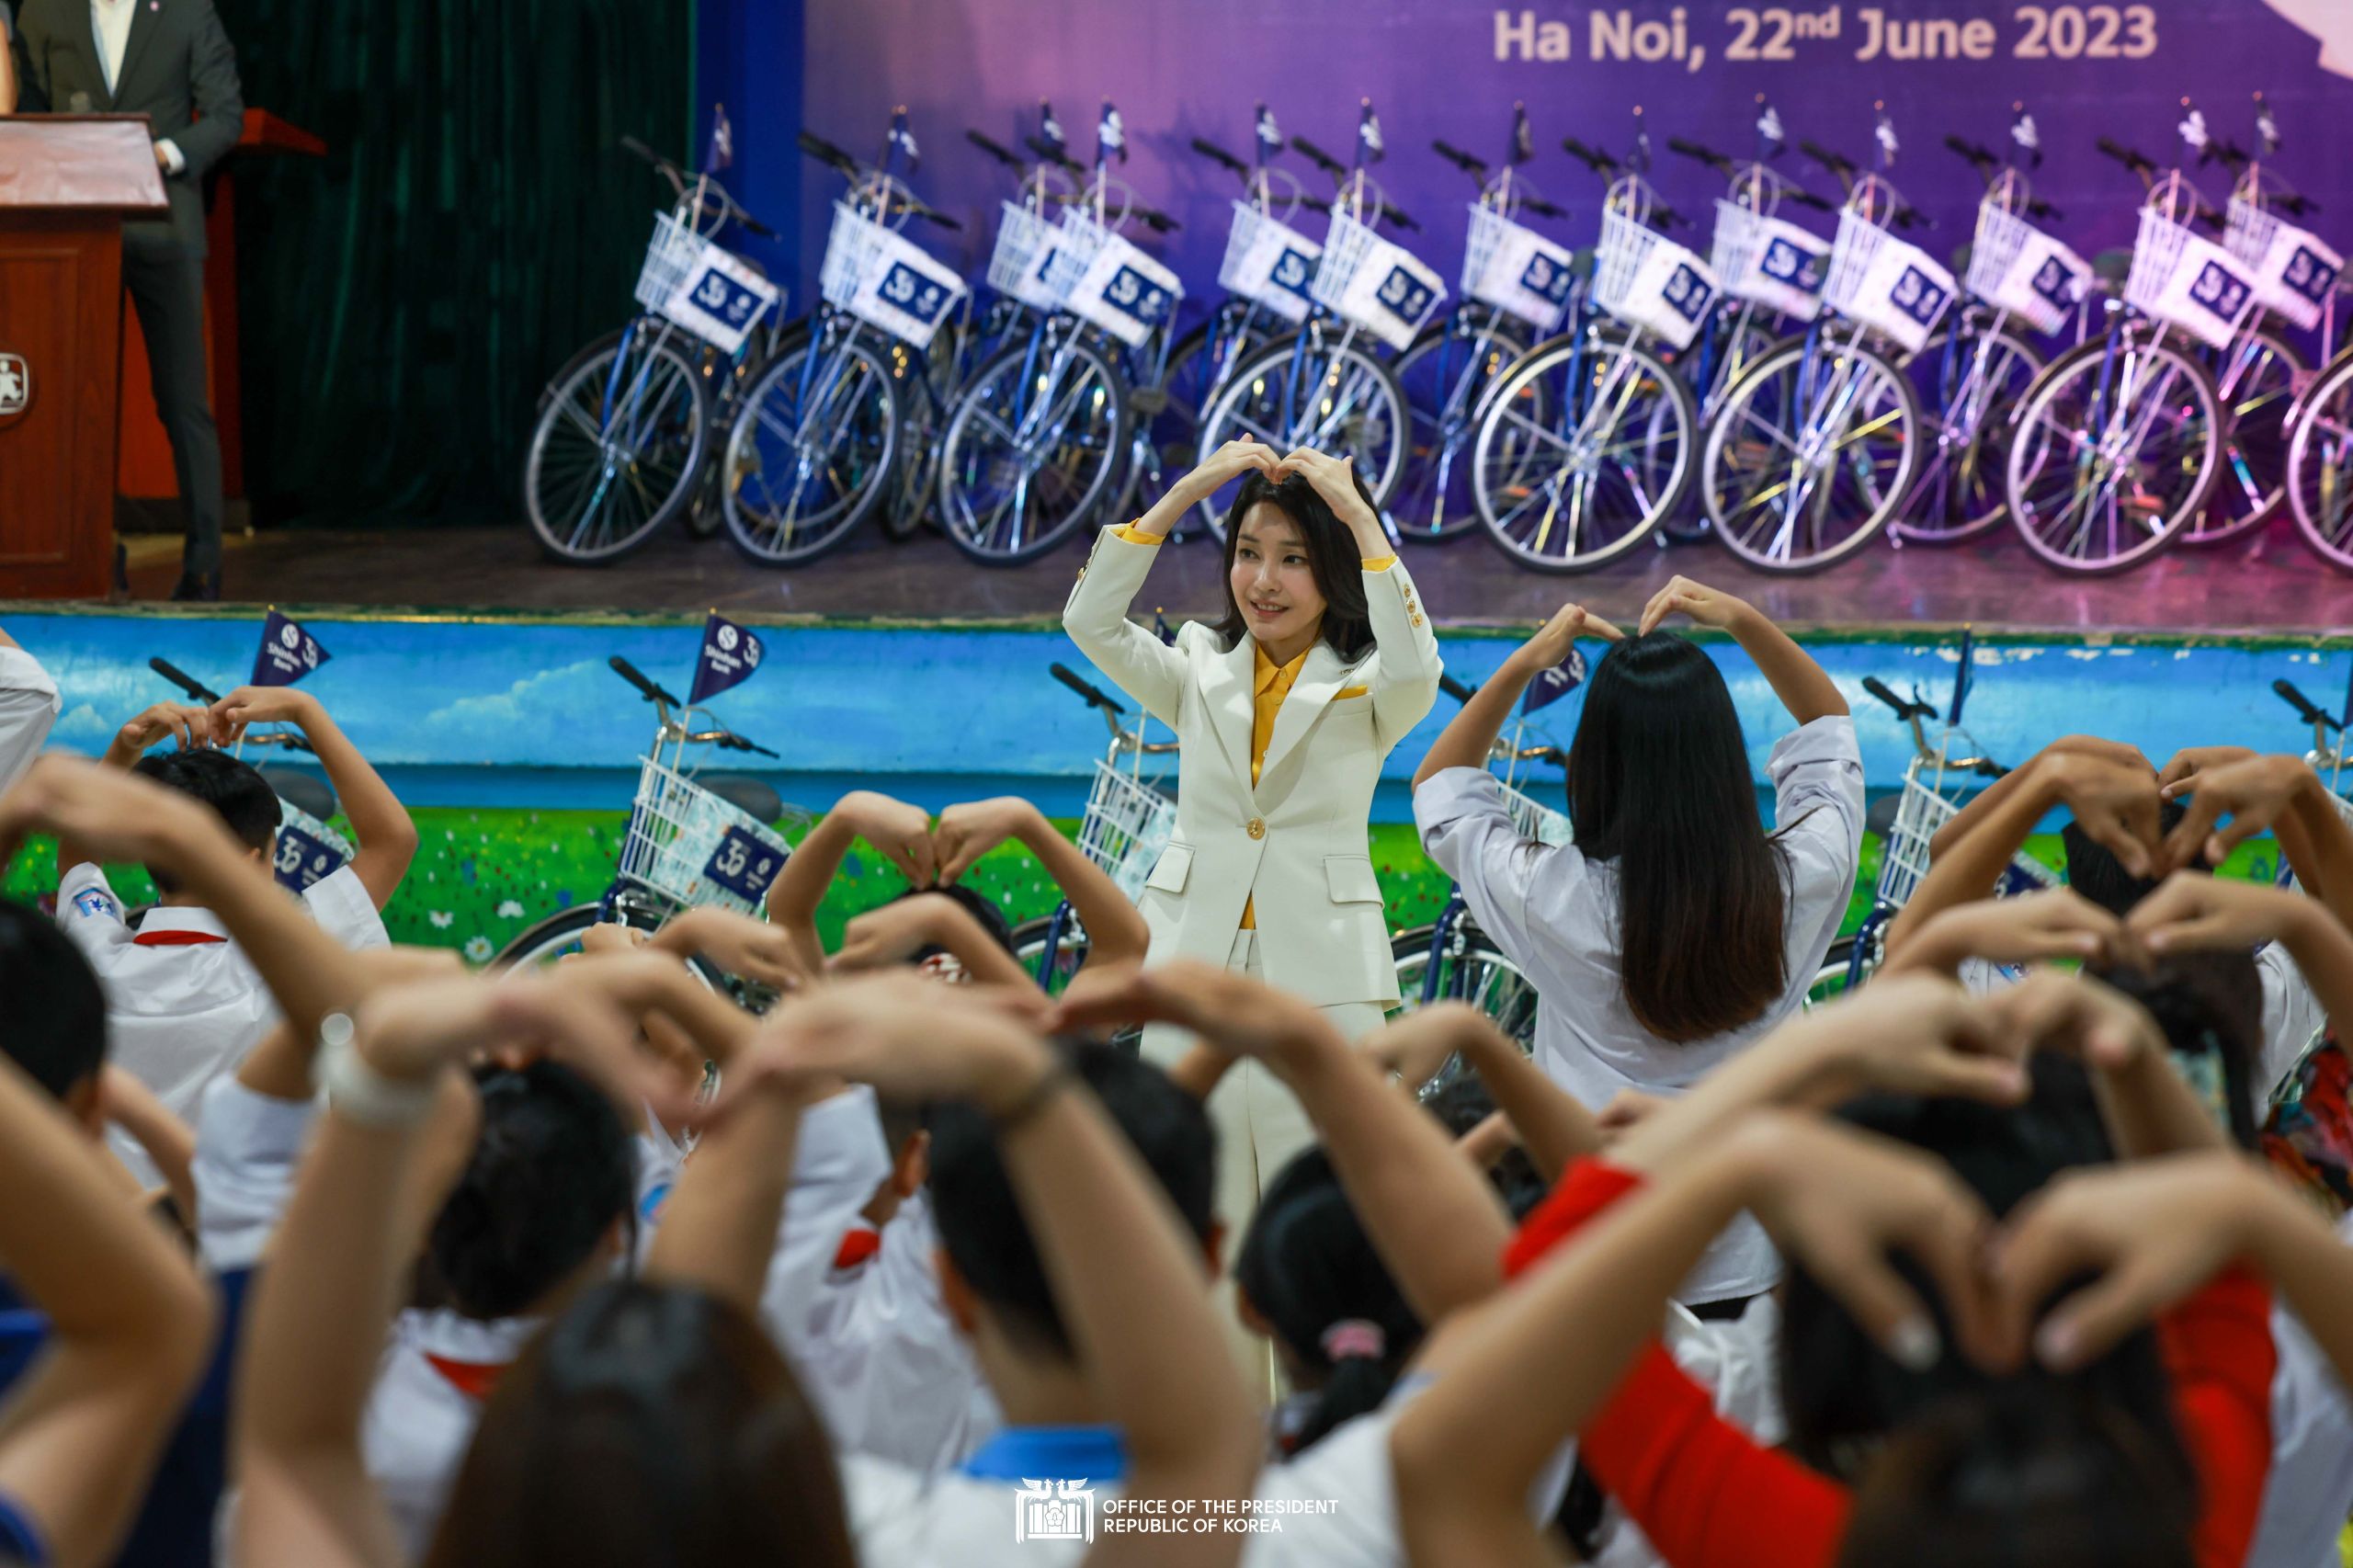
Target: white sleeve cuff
(172,156)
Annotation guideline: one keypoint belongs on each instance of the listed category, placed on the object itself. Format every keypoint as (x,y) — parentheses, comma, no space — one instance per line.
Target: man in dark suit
(170,60)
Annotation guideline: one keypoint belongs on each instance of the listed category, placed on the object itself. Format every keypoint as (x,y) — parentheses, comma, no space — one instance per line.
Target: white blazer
(1298,842)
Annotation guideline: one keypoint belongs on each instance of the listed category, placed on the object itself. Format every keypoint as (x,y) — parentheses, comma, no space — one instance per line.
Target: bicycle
(622,442)
(1042,435)
(692,838)
(1818,446)
(306,849)
(1129,821)
(1332,391)
(2117,445)
(1585,444)
(823,432)
(1931,797)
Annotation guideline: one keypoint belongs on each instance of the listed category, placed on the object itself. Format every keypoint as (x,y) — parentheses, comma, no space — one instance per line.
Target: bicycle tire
(926,389)
(1689,524)
(1525,470)
(660,432)
(1434,469)
(2319,480)
(1368,410)
(1964,499)
(1841,367)
(846,445)
(2252,483)
(2047,426)
(980,453)
(1480,973)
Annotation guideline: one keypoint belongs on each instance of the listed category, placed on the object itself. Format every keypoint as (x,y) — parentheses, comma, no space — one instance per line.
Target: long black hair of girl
(1332,556)
(1659,785)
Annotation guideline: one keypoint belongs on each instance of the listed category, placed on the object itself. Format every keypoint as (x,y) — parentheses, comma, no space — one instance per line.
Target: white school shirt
(838,1161)
(184,1002)
(882,1359)
(1556,914)
(2310,1486)
(27,702)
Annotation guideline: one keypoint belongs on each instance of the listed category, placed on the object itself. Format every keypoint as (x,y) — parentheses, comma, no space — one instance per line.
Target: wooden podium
(66,184)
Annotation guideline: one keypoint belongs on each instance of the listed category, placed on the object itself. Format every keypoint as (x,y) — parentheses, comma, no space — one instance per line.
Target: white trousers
(1260,1127)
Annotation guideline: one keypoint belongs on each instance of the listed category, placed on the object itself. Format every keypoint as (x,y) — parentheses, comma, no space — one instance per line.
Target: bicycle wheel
(1814,452)
(2319,464)
(1034,445)
(1030,947)
(1742,334)
(1446,374)
(1470,968)
(1198,366)
(1584,447)
(1970,398)
(620,441)
(926,379)
(814,448)
(1311,389)
(2258,376)
(2114,451)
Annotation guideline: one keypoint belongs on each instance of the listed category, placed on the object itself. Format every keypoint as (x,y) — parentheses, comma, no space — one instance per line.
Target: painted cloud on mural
(2331,21)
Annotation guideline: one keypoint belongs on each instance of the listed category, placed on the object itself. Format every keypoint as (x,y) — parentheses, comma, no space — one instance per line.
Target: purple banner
(1446,69)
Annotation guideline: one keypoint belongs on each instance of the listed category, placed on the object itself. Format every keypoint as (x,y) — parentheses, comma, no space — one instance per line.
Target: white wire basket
(1371,283)
(1022,264)
(1106,281)
(884,279)
(1516,269)
(693,848)
(700,286)
(670,255)
(1535,820)
(1921,811)
(1270,263)
(1648,281)
(1887,284)
(1768,260)
(2016,266)
(2295,270)
(2186,280)
(1128,824)
(307,849)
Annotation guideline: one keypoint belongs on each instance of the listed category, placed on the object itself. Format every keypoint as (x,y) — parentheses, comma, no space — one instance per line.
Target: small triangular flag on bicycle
(1162,629)
(1270,135)
(2266,125)
(2194,135)
(902,138)
(1883,137)
(730,654)
(1550,686)
(1523,140)
(1371,149)
(1638,160)
(1771,136)
(722,142)
(1110,135)
(2024,133)
(287,653)
(1050,129)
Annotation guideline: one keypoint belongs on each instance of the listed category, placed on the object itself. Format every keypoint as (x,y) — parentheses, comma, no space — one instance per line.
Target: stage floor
(2269,586)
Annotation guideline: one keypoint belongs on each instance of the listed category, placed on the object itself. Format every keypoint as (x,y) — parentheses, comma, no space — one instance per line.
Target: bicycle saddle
(300,791)
(1961,255)
(745,793)
(1879,818)
(2113,266)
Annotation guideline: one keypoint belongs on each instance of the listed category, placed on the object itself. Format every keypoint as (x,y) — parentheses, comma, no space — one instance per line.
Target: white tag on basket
(1392,294)
(719,298)
(1903,294)
(1525,274)
(1275,267)
(1671,293)
(1125,293)
(1787,267)
(2208,293)
(904,291)
(2298,272)
(2043,281)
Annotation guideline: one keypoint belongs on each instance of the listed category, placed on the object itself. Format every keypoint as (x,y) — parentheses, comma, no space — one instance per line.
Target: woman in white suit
(1283,711)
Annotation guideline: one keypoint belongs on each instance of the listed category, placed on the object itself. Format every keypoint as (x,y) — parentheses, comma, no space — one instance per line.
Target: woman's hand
(1334,479)
(971,828)
(2252,792)
(2057,922)
(1553,639)
(1704,605)
(2092,1021)
(1221,468)
(2193,912)
(902,832)
(2115,803)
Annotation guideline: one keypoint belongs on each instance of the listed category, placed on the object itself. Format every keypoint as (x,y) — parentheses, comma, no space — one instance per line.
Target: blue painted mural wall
(502,712)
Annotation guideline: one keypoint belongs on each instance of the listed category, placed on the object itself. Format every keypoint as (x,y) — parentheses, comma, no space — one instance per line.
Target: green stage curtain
(473,222)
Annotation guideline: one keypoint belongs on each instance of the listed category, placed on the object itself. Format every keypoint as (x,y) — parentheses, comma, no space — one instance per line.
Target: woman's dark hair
(2094,870)
(2210,1008)
(1308,1268)
(1332,556)
(552,1170)
(1844,1396)
(1659,783)
(647,1425)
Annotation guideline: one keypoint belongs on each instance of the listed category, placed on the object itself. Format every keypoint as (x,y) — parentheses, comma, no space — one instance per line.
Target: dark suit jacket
(176,67)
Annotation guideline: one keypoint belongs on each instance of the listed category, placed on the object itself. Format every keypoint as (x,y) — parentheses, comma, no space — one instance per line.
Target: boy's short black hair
(980,1223)
(553,1169)
(2094,870)
(236,790)
(57,1011)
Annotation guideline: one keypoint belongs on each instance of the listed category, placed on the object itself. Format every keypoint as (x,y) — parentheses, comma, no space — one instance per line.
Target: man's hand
(901,832)
(260,705)
(190,727)
(971,830)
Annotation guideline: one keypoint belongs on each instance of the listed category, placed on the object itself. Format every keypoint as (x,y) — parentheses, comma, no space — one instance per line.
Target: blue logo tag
(1792,266)
(1917,296)
(1544,276)
(2220,291)
(905,289)
(2309,275)
(1132,294)
(302,859)
(1405,296)
(1688,292)
(723,296)
(743,866)
(96,904)
(2054,281)
(1293,272)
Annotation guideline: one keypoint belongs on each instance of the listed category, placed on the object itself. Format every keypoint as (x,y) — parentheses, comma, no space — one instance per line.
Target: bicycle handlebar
(2138,163)
(1697,153)
(1836,163)
(2304,705)
(1051,154)
(1455,688)
(994,149)
(1542,208)
(196,690)
(630,674)
(713,189)
(1474,167)
(825,153)
(1217,154)
(1319,158)
(1979,155)
(1600,163)
(1903,709)
(1092,695)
